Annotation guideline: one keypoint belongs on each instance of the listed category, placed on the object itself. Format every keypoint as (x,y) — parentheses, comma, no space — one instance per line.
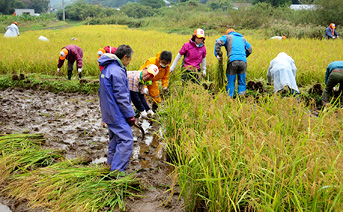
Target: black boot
(70,73)
(154,107)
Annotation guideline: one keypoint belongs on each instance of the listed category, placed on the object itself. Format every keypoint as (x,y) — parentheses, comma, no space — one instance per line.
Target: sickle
(142,130)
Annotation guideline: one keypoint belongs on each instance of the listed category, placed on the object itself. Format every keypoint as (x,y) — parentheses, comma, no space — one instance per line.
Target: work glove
(150,114)
(204,73)
(146,91)
(220,53)
(219,58)
(165,90)
(143,115)
(58,69)
(171,70)
(79,70)
(131,121)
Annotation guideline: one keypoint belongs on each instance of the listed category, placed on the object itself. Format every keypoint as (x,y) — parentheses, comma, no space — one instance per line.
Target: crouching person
(333,76)
(116,109)
(138,80)
(282,70)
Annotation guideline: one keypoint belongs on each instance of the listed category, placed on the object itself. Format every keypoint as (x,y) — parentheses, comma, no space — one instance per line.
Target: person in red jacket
(106,49)
(72,53)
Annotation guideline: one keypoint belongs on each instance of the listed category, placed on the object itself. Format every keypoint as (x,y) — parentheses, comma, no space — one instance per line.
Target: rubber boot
(70,73)
(154,107)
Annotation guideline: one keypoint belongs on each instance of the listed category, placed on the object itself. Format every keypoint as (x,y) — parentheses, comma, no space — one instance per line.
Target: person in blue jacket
(238,49)
(116,109)
(333,76)
(330,32)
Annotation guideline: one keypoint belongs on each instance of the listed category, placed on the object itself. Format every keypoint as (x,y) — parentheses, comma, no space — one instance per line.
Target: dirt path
(72,122)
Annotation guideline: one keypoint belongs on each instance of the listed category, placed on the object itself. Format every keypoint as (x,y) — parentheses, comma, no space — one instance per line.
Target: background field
(27,54)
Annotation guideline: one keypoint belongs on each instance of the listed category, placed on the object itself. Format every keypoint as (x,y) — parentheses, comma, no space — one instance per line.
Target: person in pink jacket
(194,53)
(106,49)
(72,53)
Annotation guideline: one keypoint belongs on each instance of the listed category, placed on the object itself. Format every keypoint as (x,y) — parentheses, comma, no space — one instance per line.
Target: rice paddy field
(259,153)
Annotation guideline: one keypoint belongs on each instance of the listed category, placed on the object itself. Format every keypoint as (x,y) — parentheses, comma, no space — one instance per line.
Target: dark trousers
(191,75)
(70,69)
(139,101)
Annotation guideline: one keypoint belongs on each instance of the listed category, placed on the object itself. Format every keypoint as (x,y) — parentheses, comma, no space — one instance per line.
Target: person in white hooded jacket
(282,70)
(12,30)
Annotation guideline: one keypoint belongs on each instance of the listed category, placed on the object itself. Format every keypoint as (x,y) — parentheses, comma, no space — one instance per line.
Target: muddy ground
(72,122)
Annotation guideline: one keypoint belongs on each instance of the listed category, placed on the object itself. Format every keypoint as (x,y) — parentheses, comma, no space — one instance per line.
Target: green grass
(47,180)
(51,83)
(265,154)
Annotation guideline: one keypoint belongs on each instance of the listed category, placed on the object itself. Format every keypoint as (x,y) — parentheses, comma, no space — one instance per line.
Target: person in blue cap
(238,49)
(116,109)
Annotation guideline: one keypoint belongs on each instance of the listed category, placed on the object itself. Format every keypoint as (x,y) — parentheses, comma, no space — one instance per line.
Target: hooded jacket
(237,47)
(75,53)
(193,54)
(114,92)
(163,73)
(283,70)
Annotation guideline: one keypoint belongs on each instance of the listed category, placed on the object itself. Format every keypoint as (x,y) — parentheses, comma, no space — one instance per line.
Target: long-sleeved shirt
(332,66)
(329,34)
(75,53)
(237,47)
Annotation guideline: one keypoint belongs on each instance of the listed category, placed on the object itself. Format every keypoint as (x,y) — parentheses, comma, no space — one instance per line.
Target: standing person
(115,104)
(12,30)
(238,49)
(330,32)
(162,61)
(138,80)
(333,76)
(72,53)
(282,70)
(106,49)
(194,53)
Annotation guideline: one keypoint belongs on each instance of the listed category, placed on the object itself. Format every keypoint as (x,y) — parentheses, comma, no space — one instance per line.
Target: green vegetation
(53,84)
(47,180)
(263,154)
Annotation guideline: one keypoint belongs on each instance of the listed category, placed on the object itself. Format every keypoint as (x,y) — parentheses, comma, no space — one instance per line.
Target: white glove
(204,73)
(58,69)
(146,91)
(164,89)
(171,70)
(79,70)
(219,58)
(150,113)
(143,115)
(333,37)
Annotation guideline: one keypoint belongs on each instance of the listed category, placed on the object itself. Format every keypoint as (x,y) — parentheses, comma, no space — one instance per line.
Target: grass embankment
(46,179)
(269,154)
(50,83)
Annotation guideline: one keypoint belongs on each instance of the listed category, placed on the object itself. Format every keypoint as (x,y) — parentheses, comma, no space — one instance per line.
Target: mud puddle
(72,122)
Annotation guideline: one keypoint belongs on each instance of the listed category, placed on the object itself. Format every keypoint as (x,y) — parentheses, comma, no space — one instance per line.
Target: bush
(137,10)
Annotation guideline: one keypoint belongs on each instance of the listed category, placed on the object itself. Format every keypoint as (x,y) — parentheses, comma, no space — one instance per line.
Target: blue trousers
(234,68)
(120,147)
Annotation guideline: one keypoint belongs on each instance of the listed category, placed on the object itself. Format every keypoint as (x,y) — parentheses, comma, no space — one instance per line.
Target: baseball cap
(101,51)
(63,54)
(199,33)
(152,69)
(229,30)
(332,25)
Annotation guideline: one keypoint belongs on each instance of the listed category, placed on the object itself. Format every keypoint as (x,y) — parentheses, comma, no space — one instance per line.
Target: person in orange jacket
(162,61)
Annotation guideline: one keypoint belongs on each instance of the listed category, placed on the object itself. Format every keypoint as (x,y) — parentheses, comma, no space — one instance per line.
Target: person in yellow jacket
(162,61)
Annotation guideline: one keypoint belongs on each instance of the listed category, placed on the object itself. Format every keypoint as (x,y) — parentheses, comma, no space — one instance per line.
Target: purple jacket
(74,53)
(193,54)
